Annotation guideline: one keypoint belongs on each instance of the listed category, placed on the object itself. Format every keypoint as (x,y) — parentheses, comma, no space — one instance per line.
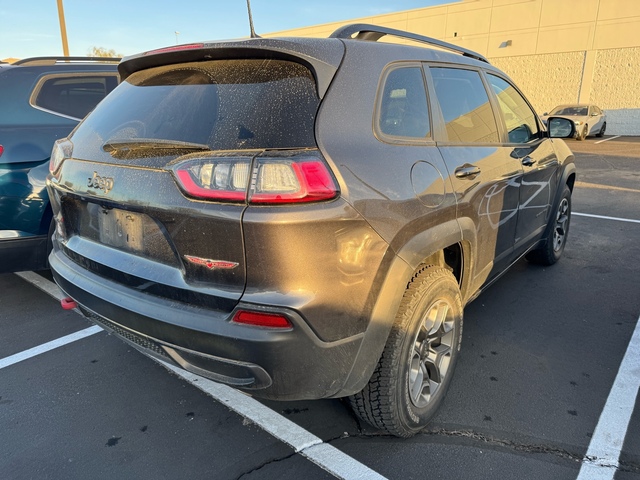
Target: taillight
(215,178)
(265,180)
(262,319)
(62,149)
(1,150)
(292,181)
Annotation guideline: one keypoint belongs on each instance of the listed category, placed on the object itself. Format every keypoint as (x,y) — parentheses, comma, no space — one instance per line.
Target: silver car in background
(589,119)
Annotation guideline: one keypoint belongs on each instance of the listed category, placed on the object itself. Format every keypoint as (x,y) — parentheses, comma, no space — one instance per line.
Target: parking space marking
(601,460)
(606,187)
(326,456)
(307,444)
(617,219)
(606,139)
(45,347)
(43,284)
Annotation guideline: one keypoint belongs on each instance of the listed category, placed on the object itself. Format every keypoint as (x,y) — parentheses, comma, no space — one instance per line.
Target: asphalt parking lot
(538,383)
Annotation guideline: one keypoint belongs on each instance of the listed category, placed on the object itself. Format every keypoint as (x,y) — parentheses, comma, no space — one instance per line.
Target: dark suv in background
(306,218)
(42,100)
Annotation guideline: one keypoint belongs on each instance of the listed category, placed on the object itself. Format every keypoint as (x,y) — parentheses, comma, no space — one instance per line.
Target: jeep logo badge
(102,183)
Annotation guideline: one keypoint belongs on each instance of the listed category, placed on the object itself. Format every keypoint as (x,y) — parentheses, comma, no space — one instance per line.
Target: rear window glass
(224,104)
(73,96)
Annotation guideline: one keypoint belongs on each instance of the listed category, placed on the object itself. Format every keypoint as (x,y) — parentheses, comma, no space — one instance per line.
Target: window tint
(518,116)
(225,104)
(403,110)
(74,96)
(465,106)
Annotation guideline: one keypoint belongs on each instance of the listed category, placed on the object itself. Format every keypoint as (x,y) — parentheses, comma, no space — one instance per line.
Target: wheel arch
(442,245)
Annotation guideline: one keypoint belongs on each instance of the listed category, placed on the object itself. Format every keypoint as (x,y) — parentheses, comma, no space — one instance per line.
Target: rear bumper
(282,365)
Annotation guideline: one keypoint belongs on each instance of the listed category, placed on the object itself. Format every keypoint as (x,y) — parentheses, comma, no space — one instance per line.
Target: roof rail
(54,60)
(374,33)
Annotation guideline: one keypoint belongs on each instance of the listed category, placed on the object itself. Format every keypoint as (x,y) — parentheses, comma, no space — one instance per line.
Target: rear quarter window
(404,111)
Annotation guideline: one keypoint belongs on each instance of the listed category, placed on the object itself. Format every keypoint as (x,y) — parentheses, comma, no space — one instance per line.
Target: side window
(518,116)
(465,106)
(74,96)
(403,108)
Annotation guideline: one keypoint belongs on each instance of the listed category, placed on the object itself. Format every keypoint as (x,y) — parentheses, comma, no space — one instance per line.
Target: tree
(103,52)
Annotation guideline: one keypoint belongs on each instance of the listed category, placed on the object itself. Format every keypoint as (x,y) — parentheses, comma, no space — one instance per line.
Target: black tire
(556,236)
(602,130)
(417,363)
(583,133)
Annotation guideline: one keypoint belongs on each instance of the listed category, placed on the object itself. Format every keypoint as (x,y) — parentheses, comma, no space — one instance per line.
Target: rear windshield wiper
(126,146)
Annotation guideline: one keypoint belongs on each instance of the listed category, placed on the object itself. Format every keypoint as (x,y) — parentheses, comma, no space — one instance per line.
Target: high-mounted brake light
(260,319)
(177,48)
(265,180)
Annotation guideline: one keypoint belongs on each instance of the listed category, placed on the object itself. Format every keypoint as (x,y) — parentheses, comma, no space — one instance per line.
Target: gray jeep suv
(306,218)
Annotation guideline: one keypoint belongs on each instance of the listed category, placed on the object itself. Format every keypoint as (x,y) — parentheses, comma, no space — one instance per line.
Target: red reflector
(259,319)
(190,46)
(68,303)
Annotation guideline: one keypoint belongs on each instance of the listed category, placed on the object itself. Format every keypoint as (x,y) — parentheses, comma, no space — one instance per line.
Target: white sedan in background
(589,119)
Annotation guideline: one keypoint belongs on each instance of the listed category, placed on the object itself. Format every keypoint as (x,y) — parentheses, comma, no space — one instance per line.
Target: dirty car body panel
(255,210)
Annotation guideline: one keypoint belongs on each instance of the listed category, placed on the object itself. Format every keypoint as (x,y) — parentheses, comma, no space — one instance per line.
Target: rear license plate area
(121,229)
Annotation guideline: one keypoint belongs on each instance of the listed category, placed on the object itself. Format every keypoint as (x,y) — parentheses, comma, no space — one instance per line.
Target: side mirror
(560,127)
(545,114)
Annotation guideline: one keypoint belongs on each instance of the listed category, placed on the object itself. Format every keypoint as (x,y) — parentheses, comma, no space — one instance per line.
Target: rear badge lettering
(211,264)
(101,183)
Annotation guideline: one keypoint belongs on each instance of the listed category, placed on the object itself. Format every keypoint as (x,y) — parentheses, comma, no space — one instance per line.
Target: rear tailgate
(152,189)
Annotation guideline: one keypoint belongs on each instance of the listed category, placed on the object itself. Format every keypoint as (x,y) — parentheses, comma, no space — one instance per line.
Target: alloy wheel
(560,230)
(431,354)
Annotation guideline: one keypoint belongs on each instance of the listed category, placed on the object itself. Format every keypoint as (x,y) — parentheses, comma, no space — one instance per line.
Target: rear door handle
(467,170)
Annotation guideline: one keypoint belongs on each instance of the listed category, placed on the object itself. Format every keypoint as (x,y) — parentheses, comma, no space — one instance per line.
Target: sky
(30,28)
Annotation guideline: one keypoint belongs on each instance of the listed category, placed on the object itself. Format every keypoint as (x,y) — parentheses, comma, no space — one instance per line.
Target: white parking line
(602,217)
(45,347)
(603,454)
(606,139)
(307,444)
(43,284)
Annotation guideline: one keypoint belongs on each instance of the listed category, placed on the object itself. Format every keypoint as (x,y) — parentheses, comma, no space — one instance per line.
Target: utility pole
(63,29)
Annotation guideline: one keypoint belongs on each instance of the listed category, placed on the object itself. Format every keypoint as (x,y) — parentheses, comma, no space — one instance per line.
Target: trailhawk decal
(211,264)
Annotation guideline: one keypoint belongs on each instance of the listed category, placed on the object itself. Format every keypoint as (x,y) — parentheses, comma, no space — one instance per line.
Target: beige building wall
(557,51)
